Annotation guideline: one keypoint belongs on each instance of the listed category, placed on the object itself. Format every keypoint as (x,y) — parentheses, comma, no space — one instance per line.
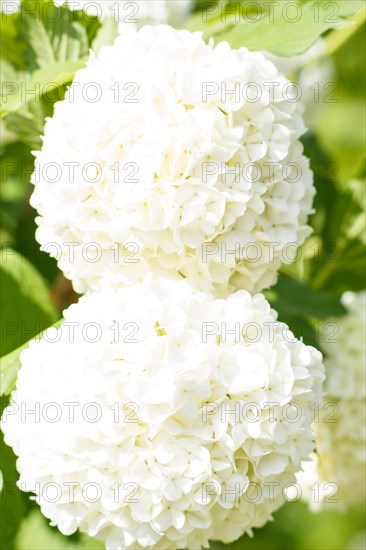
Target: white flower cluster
(341,435)
(137,11)
(176,468)
(187,153)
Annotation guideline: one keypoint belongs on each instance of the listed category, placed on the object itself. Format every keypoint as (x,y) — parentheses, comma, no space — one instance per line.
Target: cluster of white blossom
(151,149)
(176,468)
(145,421)
(341,435)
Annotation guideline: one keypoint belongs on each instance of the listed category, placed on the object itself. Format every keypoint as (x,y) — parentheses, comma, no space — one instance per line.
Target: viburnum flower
(173,157)
(339,465)
(137,12)
(168,427)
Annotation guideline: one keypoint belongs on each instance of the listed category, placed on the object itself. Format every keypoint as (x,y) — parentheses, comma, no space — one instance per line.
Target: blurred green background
(34,292)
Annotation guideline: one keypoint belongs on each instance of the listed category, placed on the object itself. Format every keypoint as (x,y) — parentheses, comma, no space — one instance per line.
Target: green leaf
(348,7)
(341,132)
(36,534)
(28,123)
(16,161)
(335,257)
(13,502)
(47,80)
(284,30)
(51,34)
(10,365)
(11,77)
(27,308)
(292,298)
(57,45)
(106,34)
(11,48)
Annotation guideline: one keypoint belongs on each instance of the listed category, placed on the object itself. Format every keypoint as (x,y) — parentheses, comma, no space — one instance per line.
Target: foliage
(258,25)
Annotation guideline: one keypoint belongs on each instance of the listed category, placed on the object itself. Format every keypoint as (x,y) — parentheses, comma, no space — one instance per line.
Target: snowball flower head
(137,12)
(154,377)
(152,164)
(340,463)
